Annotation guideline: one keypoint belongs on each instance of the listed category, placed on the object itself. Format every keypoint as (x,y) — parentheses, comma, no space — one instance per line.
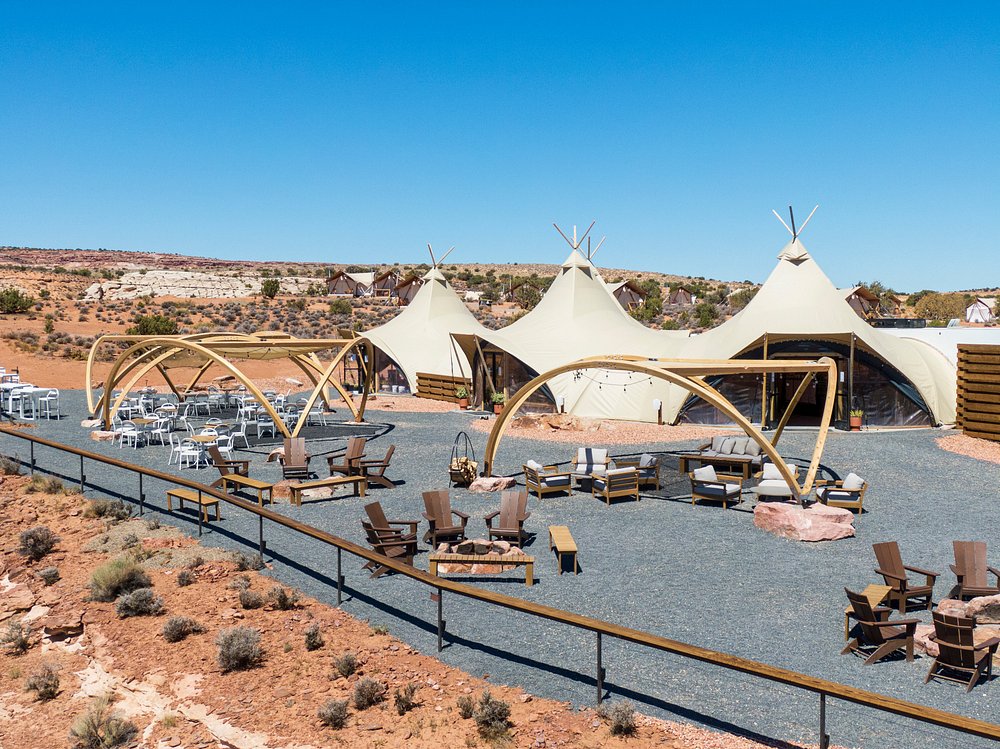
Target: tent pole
(763,391)
(850,380)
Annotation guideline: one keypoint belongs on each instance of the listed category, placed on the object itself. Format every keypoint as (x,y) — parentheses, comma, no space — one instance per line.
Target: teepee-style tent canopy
(798,312)
(577,317)
(419,339)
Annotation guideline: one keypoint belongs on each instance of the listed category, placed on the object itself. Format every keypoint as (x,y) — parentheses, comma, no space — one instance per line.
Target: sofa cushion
(646,460)
(717,442)
(727,446)
(853,482)
(705,473)
(752,448)
(719,490)
(740,445)
(555,480)
(772,488)
(534,465)
(592,455)
(771,471)
(619,471)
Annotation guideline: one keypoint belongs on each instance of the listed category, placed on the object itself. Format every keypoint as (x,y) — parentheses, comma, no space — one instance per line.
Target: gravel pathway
(701,574)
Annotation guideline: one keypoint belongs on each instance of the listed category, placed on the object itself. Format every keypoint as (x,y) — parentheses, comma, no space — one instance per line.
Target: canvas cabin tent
(798,312)
(628,294)
(981,311)
(343,283)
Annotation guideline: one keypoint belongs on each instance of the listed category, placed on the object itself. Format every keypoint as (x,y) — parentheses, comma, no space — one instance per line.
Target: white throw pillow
(853,482)
(717,442)
(771,471)
(740,445)
(706,473)
(534,465)
(617,471)
(727,446)
(752,448)
(646,461)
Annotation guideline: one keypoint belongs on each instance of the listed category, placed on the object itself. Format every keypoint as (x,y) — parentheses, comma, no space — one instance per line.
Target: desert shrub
(270,288)
(621,716)
(153,523)
(340,307)
(129,541)
(466,706)
(176,628)
(44,683)
(379,629)
(14,300)
(346,664)
(101,727)
(185,578)
(251,600)
(15,638)
(404,698)
(112,509)
(282,599)
(9,466)
(36,542)
(492,716)
(239,648)
(368,692)
(195,563)
(314,638)
(333,713)
(117,577)
(153,325)
(142,602)
(246,562)
(45,485)
(48,575)
(240,582)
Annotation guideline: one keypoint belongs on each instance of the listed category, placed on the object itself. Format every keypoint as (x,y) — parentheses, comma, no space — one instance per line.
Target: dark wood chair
(294,460)
(512,513)
(374,470)
(390,545)
(958,653)
(228,465)
(349,462)
(376,515)
(970,568)
(438,512)
(876,631)
(893,571)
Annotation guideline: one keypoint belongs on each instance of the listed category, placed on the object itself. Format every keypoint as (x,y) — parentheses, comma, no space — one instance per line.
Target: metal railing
(823,687)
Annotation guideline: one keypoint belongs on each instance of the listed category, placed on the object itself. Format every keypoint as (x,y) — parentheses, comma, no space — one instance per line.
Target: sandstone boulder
(985,609)
(100,435)
(465,547)
(492,484)
(62,624)
(481,546)
(952,607)
(814,523)
(922,642)
(90,423)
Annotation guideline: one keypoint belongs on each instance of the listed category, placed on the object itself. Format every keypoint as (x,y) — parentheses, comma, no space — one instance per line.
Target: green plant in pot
(498,400)
(856,415)
(462,393)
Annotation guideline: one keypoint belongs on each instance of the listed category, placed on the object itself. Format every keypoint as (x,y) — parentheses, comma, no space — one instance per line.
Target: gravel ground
(701,574)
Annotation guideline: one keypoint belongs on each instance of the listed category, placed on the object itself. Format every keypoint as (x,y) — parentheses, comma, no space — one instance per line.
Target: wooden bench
(360,485)
(512,561)
(562,541)
(190,495)
(246,482)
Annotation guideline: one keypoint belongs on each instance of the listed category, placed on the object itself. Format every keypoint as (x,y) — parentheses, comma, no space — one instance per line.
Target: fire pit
(480,557)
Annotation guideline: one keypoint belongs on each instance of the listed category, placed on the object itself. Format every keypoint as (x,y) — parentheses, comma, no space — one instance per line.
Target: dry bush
(239,648)
(466,706)
(101,728)
(492,717)
(16,637)
(622,718)
(48,575)
(116,577)
(177,628)
(45,485)
(185,578)
(112,509)
(333,713)
(368,692)
(44,683)
(36,542)
(404,698)
(251,600)
(346,664)
(142,602)
(314,638)
(282,599)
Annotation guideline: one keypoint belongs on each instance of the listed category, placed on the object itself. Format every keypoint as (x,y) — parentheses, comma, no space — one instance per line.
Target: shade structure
(579,317)
(799,311)
(418,339)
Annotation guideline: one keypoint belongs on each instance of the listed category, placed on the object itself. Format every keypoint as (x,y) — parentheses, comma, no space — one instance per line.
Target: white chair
(208,432)
(175,448)
(214,421)
(47,402)
(240,432)
(130,433)
(190,454)
(161,427)
(265,424)
(225,445)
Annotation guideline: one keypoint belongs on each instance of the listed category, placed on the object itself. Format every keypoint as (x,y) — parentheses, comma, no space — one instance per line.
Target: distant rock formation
(190,285)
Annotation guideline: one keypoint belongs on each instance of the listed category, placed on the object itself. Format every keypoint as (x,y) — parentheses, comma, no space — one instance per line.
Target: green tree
(270,287)
(153,325)
(706,314)
(936,306)
(14,300)
(340,307)
(741,298)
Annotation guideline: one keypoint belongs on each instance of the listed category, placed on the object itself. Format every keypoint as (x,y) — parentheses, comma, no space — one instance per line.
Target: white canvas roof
(419,339)
(579,317)
(798,301)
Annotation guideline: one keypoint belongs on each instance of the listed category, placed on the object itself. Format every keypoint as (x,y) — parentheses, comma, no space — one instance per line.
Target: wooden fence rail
(823,687)
(979,391)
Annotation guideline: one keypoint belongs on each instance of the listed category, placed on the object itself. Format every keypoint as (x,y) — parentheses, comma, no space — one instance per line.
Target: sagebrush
(333,713)
(116,577)
(492,717)
(101,727)
(404,699)
(141,602)
(36,542)
(239,648)
(368,692)
(176,628)
(44,683)
(346,664)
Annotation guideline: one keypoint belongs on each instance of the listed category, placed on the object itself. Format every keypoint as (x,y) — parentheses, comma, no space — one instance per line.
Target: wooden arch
(688,374)
(151,352)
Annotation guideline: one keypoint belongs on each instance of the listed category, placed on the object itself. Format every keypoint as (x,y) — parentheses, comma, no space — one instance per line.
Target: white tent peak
(434,274)
(794,252)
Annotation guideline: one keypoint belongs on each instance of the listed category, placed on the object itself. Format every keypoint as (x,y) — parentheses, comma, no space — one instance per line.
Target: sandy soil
(971,446)
(608,432)
(177,695)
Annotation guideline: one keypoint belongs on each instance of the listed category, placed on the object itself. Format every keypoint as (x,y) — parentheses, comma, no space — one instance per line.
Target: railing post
(199,513)
(32,458)
(824,737)
(142,497)
(600,671)
(83,478)
(440,600)
(340,580)
(260,536)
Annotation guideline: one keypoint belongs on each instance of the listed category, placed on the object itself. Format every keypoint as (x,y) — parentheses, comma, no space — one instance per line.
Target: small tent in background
(629,294)
(343,283)
(407,289)
(385,283)
(799,313)
(862,301)
(981,310)
(681,297)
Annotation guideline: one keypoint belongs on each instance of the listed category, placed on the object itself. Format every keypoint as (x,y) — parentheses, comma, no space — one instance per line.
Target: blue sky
(358,133)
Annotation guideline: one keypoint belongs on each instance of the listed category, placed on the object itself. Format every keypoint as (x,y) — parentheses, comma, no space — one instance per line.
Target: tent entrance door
(809,410)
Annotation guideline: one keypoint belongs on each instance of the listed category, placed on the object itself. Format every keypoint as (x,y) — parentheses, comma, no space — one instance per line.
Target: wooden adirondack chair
(512,513)
(374,470)
(893,571)
(877,631)
(970,568)
(349,464)
(389,545)
(295,462)
(438,512)
(959,653)
(227,465)
(379,522)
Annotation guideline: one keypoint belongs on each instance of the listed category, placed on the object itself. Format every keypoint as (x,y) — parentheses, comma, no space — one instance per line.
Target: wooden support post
(763,393)
(199,513)
(83,478)
(440,602)
(142,497)
(600,671)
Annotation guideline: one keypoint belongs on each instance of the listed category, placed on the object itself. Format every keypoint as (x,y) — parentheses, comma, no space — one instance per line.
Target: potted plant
(462,393)
(856,415)
(498,400)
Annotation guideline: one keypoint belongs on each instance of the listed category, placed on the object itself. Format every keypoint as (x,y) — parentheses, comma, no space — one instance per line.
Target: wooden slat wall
(440,387)
(979,391)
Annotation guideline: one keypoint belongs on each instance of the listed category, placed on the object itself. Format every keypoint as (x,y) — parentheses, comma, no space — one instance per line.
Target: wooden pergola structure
(690,374)
(200,351)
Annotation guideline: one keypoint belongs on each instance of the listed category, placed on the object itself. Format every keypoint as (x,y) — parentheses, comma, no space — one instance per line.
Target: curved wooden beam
(689,380)
(327,374)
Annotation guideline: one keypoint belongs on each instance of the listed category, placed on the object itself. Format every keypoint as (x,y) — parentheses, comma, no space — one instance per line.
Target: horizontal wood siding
(979,391)
(440,387)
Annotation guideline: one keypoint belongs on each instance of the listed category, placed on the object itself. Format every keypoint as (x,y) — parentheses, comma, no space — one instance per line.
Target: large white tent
(799,311)
(419,339)
(579,317)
